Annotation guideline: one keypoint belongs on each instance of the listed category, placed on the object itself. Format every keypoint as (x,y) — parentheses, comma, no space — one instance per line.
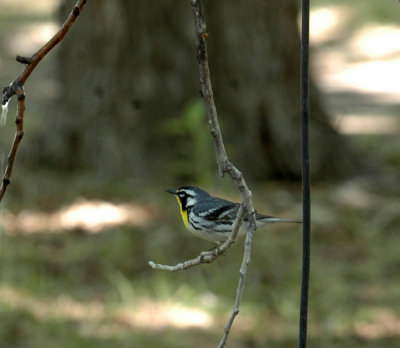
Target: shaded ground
(96,288)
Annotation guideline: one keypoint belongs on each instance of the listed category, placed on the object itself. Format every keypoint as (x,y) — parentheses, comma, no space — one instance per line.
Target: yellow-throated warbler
(211,218)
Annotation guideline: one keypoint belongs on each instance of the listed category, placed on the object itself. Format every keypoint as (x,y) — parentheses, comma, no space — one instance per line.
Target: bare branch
(224,166)
(240,288)
(16,88)
(206,87)
(19,122)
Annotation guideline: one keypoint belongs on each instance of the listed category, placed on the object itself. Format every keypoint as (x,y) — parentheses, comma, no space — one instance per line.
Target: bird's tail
(262,219)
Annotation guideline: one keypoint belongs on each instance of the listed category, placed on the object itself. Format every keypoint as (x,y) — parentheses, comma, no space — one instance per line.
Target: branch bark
(17,88)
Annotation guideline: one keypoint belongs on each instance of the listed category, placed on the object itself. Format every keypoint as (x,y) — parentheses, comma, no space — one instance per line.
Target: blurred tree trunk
(255,52)
(128,67)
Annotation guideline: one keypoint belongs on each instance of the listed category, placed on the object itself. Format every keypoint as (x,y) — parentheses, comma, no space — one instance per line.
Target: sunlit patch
(327,22)
(376,42)
(158,315)
(364,61)
(106,321)
(90,216)
(186,317)
(30,37)
(62,306)
(21,7)
(368,77)
(361,124)
(385,323)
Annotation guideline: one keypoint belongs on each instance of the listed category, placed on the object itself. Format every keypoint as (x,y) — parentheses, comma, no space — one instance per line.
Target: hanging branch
(17,88)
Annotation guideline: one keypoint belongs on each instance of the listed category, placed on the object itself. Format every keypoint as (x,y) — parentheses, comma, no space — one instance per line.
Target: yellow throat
(183,213)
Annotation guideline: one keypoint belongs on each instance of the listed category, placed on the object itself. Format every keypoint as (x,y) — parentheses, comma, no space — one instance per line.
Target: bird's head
(188,196)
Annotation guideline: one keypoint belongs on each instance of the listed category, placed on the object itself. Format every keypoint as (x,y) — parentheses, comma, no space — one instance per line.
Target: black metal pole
(305,23)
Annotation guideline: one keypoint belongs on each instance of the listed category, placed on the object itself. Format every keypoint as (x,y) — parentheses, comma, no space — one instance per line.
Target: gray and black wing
(216,209)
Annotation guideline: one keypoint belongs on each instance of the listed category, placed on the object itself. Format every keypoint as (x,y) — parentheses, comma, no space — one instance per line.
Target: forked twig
(17,88)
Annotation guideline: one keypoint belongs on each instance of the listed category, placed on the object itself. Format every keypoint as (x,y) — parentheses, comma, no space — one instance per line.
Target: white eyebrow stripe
(190,193)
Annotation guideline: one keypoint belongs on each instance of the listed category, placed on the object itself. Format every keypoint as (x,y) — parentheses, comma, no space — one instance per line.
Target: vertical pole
(305,22)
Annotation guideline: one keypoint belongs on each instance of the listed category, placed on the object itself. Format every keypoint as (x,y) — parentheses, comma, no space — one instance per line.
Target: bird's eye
(181,195)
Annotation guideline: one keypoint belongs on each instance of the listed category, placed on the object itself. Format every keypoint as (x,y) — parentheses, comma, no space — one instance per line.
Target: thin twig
(19,122)
(16,88)
(240,288)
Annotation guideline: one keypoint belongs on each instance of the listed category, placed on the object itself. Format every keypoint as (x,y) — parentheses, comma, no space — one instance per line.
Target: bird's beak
(174,192)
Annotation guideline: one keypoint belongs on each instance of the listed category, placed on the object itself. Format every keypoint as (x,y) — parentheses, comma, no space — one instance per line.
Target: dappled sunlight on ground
(95,318)
(89,216)
(111,320)
(327,23)
(376,42)
(365,61)
(157,315)
(62,306)
(356,124)
(377,76)
(384,322)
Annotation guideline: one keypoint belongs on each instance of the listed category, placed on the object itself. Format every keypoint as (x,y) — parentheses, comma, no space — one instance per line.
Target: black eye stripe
(186,198)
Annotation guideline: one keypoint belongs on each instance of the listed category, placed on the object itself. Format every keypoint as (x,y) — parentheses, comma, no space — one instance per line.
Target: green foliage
(195,157)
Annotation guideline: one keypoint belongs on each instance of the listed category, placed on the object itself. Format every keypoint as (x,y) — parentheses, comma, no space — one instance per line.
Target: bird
(211,218)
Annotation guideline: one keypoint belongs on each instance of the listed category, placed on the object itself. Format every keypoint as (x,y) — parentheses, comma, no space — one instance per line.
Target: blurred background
(114,117)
